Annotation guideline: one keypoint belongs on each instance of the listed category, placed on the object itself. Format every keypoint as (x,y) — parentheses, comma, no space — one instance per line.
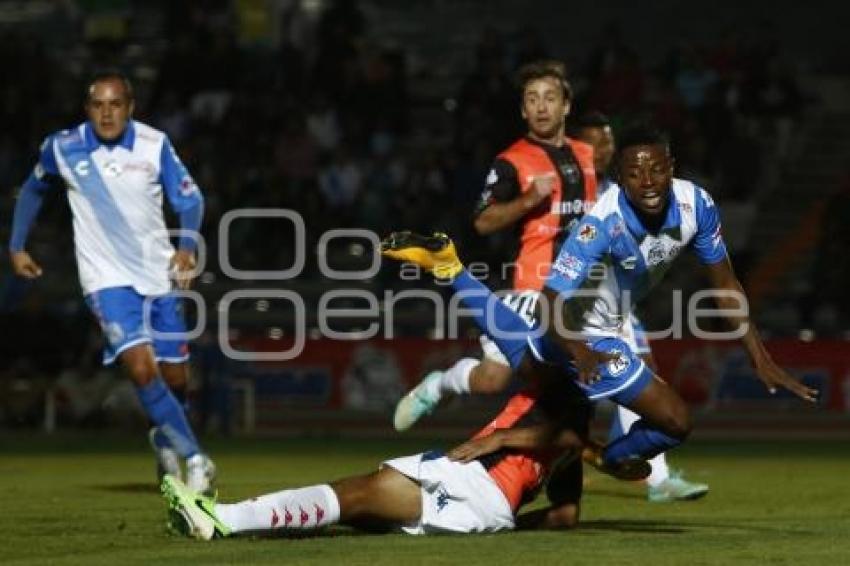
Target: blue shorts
(120,311)
(622,379)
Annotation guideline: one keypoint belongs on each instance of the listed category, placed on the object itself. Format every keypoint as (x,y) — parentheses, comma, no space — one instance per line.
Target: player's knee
(490,377)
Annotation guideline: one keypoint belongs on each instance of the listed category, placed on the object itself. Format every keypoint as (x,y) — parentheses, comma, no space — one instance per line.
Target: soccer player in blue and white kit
(623,246)
(594,128)
(115,171)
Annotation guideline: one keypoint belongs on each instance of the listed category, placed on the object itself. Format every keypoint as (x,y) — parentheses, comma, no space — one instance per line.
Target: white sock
(305,508)
(456,378)
(660,471)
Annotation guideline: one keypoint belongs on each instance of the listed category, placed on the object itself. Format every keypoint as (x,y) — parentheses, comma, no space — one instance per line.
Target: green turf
(91,500)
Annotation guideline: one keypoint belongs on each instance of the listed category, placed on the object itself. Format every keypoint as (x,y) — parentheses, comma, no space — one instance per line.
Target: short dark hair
(544,68)
(588,119)
(108,75)
(642,133)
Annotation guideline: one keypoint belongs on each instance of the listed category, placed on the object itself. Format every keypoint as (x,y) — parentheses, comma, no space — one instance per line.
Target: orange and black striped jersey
(542,230)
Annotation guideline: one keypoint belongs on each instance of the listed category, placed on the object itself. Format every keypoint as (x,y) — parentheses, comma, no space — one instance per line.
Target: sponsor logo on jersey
(188,186)
(114,333)
(82,168)
(616,229)
(586,234)
(569,266)
(38,171)
(575,206)
(716,238)
(443,499)
(629,263)
(492,177)
(686,207)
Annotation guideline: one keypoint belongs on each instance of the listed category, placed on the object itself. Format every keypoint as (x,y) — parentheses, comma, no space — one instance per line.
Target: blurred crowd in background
(318,107)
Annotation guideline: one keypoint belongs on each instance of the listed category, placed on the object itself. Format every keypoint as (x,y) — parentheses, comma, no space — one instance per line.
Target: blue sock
(164,410)
(506,328)
(641,440)
(159,438)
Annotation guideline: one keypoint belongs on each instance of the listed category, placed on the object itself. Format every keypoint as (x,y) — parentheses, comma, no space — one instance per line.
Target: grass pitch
(92,500)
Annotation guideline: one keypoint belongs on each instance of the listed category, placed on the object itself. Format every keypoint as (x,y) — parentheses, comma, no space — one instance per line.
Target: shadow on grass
(682,527)
(131,487)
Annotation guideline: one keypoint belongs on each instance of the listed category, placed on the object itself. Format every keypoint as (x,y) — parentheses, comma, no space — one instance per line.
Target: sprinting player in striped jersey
(114,171)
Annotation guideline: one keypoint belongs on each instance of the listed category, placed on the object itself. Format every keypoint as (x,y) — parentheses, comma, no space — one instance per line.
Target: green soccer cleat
(189,513)
(435,253)
(417,403)
(676,488)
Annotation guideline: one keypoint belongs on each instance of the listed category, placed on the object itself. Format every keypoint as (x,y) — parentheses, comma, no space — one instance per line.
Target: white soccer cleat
(417,403)
(200,473)
(167,459)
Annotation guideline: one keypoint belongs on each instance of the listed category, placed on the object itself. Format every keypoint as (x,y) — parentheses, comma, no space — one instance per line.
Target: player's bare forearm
(566,320)
(734,304)
(534,437)
(499,216)
(554,517)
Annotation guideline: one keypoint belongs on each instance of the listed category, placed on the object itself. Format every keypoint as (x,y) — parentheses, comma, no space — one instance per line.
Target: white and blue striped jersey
(115,194)
(611,252)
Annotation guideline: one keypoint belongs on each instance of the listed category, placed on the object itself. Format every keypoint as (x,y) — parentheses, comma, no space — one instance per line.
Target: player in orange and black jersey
(539,186)
(477,487)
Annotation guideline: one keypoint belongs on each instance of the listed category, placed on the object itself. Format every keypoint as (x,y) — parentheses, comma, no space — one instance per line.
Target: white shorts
(456,498)
(524,303)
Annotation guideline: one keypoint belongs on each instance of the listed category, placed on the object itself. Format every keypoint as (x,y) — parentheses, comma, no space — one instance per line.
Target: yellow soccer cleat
(435,253)
(632,468)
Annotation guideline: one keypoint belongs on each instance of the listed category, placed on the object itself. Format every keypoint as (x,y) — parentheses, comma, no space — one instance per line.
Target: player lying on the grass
(477,487)
(633,234)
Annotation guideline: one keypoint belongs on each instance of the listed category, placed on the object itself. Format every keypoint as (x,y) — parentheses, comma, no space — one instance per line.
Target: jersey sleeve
(46,169)
(44,175)
(501,185)
(586,246)
(178,184)
(708,242)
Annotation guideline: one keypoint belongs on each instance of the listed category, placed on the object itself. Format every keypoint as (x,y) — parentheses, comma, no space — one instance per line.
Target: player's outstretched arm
(723,278)
(536,437)
(555,517)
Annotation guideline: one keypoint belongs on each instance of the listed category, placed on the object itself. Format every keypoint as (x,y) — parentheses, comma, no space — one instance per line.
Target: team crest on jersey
(570,173)
(569,266)
(660,250)
(112,169)
(619,364)
(586,233)
(686,207)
